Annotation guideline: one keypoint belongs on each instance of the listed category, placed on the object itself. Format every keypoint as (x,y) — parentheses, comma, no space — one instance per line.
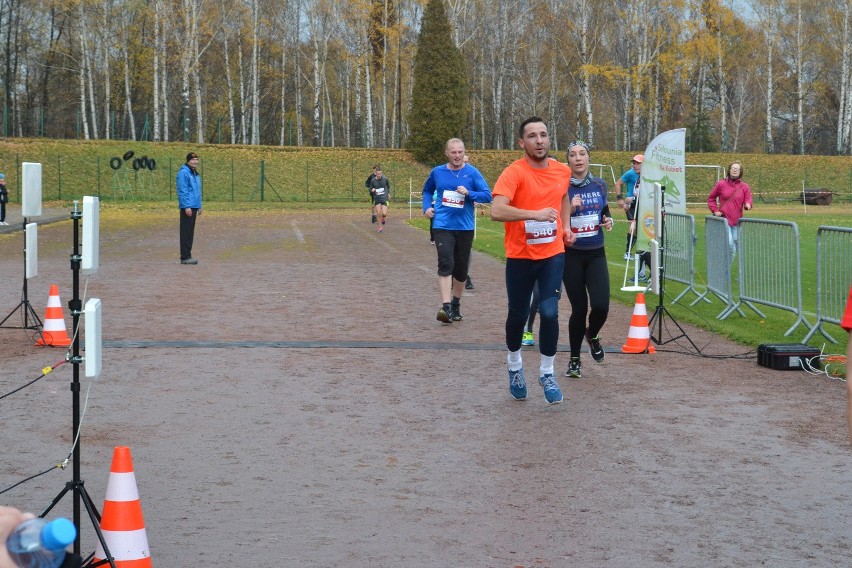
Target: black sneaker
(444,316)
(455,313)
(468,285)
(573,368)
(595,347)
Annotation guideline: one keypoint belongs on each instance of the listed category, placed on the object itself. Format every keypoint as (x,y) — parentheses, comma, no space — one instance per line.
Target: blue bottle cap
(58,533)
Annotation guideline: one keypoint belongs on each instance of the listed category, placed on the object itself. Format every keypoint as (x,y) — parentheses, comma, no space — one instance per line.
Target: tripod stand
(660,311)
(76,485)
(24,304)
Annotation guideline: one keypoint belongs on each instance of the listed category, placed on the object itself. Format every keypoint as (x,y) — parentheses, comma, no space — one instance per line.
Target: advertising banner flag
(665,164)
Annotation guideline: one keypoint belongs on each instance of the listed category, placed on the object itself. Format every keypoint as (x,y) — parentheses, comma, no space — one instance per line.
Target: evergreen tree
(439,102)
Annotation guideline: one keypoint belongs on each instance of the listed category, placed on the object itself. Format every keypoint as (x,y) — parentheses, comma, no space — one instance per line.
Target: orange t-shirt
(531,188)
(846,321)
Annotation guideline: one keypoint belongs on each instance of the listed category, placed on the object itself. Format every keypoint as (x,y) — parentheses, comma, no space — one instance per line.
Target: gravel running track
(291,401)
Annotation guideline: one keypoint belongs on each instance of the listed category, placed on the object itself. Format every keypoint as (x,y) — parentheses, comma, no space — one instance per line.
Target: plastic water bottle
(39,543)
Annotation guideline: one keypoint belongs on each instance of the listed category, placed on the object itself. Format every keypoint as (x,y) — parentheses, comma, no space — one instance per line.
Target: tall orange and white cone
(53,331)
(639,334)
(121,521)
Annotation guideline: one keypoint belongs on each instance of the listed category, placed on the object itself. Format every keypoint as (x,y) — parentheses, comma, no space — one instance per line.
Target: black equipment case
(788,356)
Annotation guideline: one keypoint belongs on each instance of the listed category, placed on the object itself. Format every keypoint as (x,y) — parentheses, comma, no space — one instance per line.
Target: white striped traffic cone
(639,334)
(53,331)
(121,521)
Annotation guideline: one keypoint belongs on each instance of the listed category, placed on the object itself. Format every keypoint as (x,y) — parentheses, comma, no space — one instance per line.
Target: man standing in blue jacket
(449,195)
(189,200)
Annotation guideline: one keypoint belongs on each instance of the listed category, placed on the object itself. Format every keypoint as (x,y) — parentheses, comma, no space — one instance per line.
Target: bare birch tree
(229,83)
(155,88)
(844,111)
(800,88)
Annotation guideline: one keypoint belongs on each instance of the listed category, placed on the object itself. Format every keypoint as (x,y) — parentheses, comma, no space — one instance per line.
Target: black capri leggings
(453,252)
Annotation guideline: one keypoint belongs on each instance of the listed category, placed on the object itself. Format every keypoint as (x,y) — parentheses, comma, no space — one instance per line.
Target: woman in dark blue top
(586,275)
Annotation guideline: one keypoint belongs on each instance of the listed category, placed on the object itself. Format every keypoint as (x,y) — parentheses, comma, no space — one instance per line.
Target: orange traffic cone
(53,332)
(639,335)
(121,521)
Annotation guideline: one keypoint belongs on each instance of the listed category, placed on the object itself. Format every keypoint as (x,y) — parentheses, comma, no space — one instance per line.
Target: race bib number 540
(540,232)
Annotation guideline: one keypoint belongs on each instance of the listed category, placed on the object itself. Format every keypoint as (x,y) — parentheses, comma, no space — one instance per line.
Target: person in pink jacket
(730,196)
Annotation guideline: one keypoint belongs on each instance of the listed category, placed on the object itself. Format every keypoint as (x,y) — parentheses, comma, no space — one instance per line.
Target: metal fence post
(232,179)
(307,182)
(262,178)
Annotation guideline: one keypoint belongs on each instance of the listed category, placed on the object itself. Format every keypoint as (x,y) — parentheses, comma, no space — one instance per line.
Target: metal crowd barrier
(770,266)
(834,275)
(679,253)
(718,261)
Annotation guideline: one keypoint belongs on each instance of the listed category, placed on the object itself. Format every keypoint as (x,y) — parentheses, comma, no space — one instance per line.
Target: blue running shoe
(552,394)
(517,385)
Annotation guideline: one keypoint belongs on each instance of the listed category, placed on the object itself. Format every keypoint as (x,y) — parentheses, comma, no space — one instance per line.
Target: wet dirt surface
(291,401)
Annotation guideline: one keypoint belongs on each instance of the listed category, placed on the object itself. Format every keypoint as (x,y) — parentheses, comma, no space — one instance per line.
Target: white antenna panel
(91,234)
(655,266)
(30,189)
(31,250)
(94,339)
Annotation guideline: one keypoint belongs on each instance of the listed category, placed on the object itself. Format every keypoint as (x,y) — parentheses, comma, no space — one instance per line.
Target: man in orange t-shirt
(531,198)
(846,323)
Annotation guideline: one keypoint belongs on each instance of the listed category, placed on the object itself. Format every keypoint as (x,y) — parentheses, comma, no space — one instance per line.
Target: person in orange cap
(629,179)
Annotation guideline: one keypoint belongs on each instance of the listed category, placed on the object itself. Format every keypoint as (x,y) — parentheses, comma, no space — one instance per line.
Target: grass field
(750,330)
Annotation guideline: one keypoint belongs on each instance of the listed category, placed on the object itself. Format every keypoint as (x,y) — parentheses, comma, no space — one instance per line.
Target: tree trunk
(770,61)
(82,79)
(800,85)
(383,142)
(551,103)
(639,86)
(359,127)
(243,89)
(585,84)
(229,81)
(107,79)
(128,92)
(317,86)
(164,85)
(196,79)
(843,118)
(255,76)
(87,70)
(298,71)
(158,9)
(723,100)
(368,99)
(283,136)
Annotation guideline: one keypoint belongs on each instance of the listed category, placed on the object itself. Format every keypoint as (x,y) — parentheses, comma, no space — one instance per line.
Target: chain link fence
(327,175)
